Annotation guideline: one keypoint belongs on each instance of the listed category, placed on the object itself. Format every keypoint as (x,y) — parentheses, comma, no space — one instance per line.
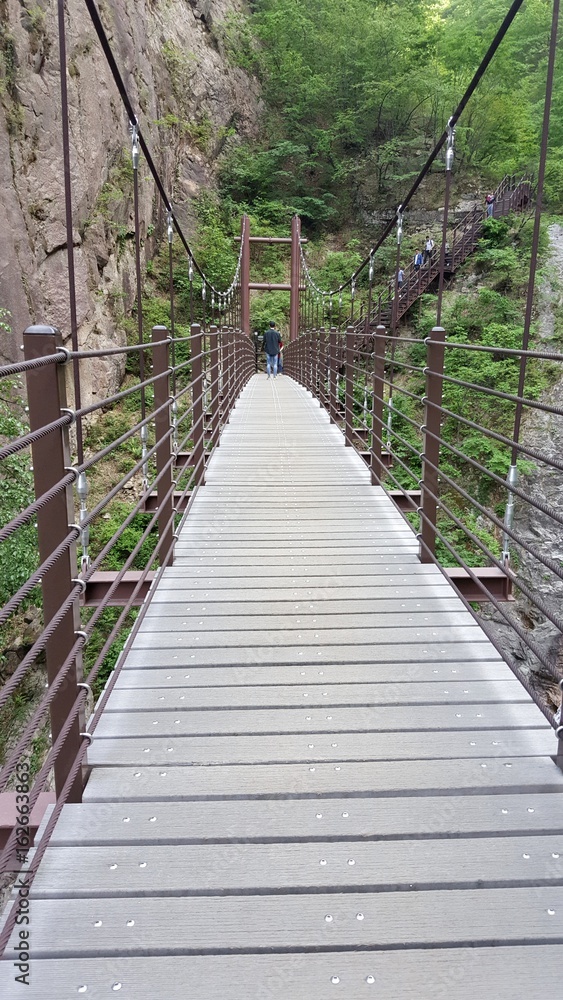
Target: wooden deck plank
(300,747)
(322,653)
(174,926)
(282,638)
(424,589)
(387,866)
(316,819)
(396,718)
(455,973)
(285,562)
(328,696)
(413,777)
(342,672)
(252,577)
(370,606)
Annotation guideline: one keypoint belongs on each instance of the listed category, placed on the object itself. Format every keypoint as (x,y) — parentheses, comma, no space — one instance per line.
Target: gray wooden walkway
(315,778)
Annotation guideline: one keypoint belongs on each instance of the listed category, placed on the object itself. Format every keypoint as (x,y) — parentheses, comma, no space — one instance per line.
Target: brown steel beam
(270,239)
(161,361)
(99,583)
(245,276)
(46,391)
(185,458)
(386,458)
(435,352)
(494,581)
(9,817)
(261,286)
(295,278)
(409,500)
(180,502)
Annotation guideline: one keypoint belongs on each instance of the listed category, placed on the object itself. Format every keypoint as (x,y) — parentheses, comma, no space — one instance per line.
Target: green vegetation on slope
(357,91)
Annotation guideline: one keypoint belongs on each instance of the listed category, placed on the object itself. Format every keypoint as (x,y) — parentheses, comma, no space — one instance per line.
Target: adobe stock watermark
(21,887)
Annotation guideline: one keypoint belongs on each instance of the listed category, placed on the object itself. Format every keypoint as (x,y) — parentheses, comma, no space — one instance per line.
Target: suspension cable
(134,122)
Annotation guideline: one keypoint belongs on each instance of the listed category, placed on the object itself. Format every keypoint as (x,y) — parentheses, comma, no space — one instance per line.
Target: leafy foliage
(18,554)
(357,92)
(103,629)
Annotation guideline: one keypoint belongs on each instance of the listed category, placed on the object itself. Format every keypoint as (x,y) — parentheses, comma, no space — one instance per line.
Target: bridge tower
(294,241)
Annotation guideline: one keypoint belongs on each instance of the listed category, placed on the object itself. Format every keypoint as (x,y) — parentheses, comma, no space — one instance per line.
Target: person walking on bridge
(272,341)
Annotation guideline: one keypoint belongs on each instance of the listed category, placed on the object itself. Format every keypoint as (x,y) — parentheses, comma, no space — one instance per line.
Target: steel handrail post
(161,367)
(236,352)
(227,372)
(322,367)
(559,733)
(236,366)
(224,375)
(46,392)
(377,467)
(349,388)
(198,459)
(332,375)
(214,375)
(431,441)
(241,362)
(244,344)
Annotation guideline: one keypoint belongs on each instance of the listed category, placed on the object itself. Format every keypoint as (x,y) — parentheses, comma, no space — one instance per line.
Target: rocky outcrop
(188,97)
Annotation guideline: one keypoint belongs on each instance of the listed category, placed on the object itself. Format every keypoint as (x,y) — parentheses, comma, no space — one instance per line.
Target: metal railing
(154,486)
(392,398)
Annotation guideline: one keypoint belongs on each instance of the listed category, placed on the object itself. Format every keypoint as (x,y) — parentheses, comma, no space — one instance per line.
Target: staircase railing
(511,195)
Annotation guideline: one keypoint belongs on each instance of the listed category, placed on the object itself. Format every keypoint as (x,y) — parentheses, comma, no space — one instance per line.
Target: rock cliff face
(188,98)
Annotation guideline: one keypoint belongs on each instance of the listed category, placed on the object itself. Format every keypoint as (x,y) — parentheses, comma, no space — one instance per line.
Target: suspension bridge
(317,769)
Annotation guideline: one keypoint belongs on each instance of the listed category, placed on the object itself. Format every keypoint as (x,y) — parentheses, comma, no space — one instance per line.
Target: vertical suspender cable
(394,312)
(449,165)
(170,233)
(68,222)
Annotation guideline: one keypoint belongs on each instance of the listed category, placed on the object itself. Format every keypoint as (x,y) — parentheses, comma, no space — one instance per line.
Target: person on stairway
(428,249)
(272,340)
